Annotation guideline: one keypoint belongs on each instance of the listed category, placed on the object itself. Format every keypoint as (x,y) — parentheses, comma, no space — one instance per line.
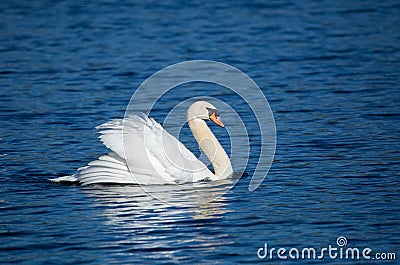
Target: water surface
(330,70)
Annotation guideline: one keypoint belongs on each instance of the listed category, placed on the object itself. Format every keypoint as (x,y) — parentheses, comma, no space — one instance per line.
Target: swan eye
(213,115)
(213,111)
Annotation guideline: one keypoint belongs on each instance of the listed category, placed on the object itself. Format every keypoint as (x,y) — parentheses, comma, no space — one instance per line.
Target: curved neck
(211,147)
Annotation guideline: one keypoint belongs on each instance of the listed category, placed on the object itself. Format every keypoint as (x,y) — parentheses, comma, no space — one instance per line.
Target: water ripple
(329,70)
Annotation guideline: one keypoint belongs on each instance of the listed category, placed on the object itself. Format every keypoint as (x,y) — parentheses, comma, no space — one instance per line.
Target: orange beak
(215,119)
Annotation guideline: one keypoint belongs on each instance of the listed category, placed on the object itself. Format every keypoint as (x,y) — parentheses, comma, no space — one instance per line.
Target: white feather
(142,153)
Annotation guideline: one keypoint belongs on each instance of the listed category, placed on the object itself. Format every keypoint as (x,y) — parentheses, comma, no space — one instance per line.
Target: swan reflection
(126,203)
(163,218)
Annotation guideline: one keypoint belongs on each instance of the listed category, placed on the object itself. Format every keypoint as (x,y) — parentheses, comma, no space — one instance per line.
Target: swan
(143,152)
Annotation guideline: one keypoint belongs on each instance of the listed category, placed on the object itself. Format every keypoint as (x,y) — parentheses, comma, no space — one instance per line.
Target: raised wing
(149,150)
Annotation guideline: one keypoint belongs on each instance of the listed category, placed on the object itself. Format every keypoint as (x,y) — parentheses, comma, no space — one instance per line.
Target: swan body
(143,152)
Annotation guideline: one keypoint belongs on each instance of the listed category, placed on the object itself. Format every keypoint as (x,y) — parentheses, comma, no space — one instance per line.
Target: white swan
(143,152)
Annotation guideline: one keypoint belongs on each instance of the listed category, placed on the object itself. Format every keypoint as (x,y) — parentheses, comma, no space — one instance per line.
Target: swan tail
(65,179)
(108,168)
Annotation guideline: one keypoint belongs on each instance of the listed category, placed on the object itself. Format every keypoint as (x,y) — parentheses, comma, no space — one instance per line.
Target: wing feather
(146,146)
(142,152)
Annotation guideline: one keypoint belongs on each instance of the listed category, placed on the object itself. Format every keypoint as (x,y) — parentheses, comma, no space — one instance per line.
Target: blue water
(331,73)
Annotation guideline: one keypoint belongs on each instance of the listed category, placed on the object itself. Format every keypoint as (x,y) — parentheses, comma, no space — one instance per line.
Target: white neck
(211,147)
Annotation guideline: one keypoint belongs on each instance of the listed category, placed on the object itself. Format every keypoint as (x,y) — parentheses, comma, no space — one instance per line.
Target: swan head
(205,111)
